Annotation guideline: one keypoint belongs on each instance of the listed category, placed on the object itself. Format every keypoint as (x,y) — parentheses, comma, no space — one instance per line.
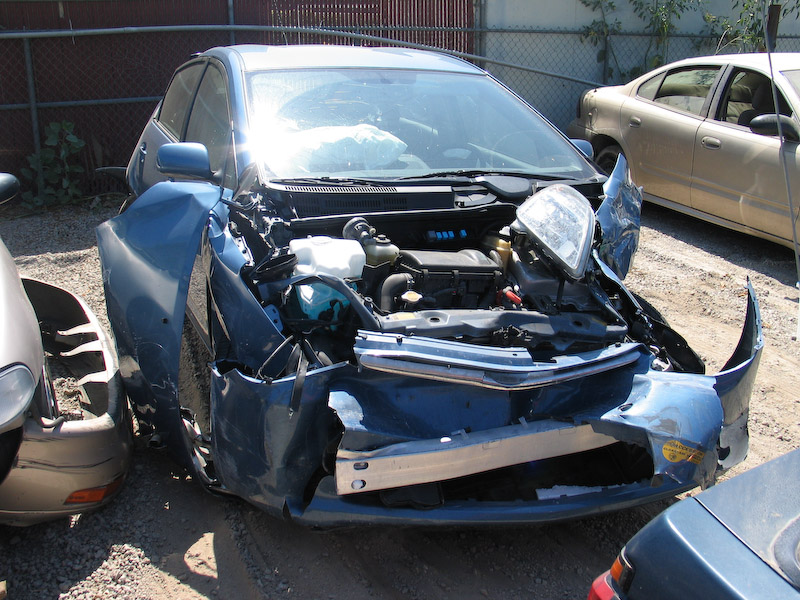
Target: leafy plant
(744,32)
(598,32)
(53,173)
(659,18)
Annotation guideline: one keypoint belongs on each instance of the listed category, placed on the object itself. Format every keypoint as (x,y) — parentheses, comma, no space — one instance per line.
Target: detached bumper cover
(57,458)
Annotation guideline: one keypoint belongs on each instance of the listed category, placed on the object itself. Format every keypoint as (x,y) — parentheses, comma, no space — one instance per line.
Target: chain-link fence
(107,82)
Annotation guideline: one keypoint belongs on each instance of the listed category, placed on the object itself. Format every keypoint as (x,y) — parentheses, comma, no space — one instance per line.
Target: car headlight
(560,223)
(17,386)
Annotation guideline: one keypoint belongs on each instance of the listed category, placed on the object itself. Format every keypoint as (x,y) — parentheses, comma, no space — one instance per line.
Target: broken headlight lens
(17,386)
(559,221)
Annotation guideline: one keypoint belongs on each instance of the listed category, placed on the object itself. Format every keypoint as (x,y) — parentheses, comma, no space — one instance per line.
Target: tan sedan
(701,137)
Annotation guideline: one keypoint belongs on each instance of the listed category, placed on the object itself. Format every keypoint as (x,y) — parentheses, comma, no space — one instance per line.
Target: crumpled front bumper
(408,425)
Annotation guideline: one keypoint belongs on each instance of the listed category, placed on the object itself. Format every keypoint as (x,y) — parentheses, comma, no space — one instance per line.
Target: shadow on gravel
(748,252)
(546,561)
(162,537)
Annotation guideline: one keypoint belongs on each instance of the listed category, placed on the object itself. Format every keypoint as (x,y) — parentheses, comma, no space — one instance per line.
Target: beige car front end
(53,462)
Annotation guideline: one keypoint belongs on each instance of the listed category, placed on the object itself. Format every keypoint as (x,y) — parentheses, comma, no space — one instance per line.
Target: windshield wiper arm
(471,174)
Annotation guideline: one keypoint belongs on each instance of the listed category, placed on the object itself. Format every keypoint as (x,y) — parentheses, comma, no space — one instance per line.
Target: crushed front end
(459,362)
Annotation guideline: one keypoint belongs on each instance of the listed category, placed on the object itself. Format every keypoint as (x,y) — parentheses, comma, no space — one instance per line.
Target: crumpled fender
(147,254)
(619,217)
(680,413)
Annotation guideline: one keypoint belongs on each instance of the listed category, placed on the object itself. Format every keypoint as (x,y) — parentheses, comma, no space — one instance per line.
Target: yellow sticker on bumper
(674,452)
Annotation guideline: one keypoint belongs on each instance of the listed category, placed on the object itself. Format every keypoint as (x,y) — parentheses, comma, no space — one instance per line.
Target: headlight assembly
(559,222)
(17,386)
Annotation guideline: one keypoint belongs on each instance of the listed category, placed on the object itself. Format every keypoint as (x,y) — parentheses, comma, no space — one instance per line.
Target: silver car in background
(55,463)
(701,137)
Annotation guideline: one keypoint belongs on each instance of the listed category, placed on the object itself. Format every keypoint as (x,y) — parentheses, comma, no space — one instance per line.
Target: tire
(607,158)
(194,395)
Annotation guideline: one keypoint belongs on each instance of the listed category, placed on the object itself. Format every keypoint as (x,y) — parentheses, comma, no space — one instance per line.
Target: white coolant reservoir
(333,256)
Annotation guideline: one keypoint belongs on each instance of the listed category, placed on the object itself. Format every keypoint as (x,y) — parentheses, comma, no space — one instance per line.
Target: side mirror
(585,148)
(184,160)
(768,125)
(9,187)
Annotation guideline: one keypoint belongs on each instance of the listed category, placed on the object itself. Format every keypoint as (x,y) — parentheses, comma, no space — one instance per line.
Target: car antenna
(770,33)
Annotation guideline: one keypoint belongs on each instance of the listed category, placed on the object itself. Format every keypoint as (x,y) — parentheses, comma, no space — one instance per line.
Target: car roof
(260,58)
(781,61)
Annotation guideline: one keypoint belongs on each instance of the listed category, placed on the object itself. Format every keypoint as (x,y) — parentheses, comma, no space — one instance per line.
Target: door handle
(711,143)
(634,122)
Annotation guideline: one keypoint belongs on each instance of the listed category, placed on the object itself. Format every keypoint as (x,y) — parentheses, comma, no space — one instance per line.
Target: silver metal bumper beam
(483,366)
(461,454)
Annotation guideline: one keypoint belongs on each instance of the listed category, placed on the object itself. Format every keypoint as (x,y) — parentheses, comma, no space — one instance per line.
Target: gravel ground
(165,538)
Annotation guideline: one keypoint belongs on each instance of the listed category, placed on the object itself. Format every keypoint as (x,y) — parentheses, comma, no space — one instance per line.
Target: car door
(659,126)
(167,125)
(738,175)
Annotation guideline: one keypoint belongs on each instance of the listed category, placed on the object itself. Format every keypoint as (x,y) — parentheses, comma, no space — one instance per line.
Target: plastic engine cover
(454,279)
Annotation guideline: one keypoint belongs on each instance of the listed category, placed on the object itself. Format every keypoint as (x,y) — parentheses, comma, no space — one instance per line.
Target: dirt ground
(164,538)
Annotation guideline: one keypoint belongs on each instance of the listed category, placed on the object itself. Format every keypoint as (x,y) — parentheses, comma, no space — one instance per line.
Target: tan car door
(659,127)
(738,175)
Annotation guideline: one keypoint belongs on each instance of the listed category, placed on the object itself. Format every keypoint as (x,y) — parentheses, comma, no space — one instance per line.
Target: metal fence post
(37,146)
(231,21)
(479,7)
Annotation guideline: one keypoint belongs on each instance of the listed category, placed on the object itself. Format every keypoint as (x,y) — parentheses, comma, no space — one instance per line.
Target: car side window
(748,95)
(210,121)
(687,89)
(649,88)
(178,98)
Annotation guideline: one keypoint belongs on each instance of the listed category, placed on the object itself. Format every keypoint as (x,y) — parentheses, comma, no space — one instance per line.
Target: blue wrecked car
(373,285)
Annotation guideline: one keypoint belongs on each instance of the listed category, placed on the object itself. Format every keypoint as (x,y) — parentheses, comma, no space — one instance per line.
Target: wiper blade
(470,174)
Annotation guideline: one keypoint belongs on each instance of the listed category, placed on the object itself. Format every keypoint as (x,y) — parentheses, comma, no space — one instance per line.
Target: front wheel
(194,395)
(607,158)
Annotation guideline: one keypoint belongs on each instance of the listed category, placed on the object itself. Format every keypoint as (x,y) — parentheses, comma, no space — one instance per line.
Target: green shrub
(53,173)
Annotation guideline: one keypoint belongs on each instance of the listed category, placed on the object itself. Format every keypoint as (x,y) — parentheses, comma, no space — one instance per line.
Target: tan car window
(687,89)
(649,88)
(749,95)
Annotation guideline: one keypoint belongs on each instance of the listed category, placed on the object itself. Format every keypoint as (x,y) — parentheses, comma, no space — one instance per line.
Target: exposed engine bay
(469,275)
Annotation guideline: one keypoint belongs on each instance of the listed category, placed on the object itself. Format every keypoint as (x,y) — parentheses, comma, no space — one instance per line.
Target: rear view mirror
(768,125)
(184,160)
(585,147)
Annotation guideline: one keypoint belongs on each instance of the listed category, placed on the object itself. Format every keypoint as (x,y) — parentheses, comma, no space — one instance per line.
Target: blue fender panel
(619,217)
(147,254)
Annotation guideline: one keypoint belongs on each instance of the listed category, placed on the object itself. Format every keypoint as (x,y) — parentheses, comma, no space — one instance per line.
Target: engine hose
(393,286)
(281,346)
